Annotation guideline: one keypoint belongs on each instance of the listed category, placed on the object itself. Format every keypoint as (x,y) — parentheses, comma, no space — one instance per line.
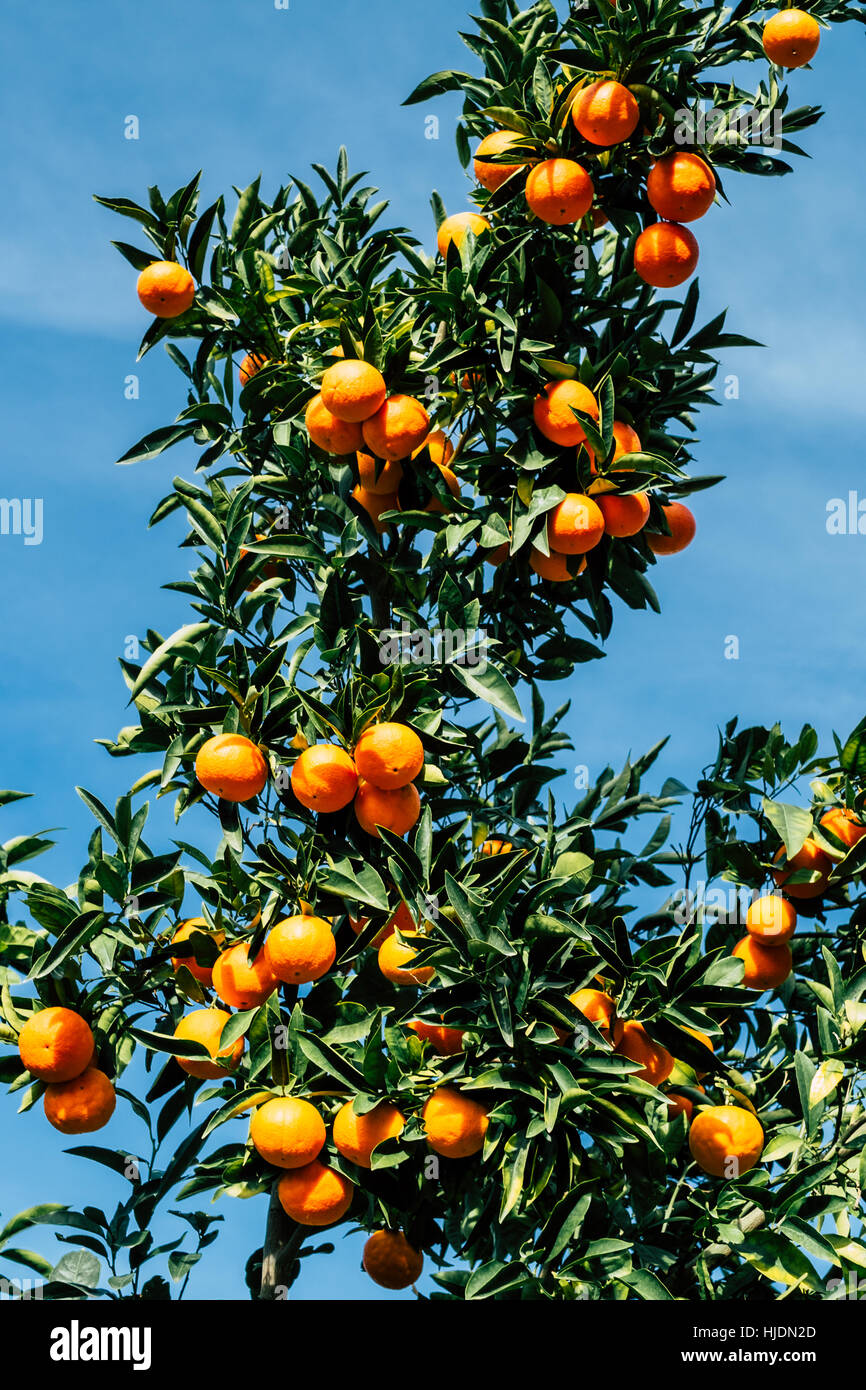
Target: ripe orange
(707,1042)
(315,1195)
(379,476)
(791,38)
(448,1042)
(324,778)
(330,434)
(287,1132)
(811,858)
(726,1140)
(626,440)
(353,391)
(666,254)
(498,555)
(398,427)
(453,485)
(633,1041)
(682,527)
(559,191)
(391,1261)
(356,1136)
(555,567)
(81,1105)
(455,1124)
(771,920)
(595,1005)
(166,289)
(494,847)
(300,949)
(389,755)
(553,412)
(396,810)
(232,767)
(395,958)
(205,1026)
(766,967)
(374,504)
(456,228)
(681,187)
(624,516)
(493,176)
(575,525)
(844,825)
(605,113)
(252,363)
(402,920)
(679,1105)
(191,927)
(241,983)
(56,1045)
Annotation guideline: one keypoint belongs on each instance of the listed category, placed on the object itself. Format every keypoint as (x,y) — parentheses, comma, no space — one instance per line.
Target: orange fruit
(595,1005)
(379,476)
(626,440)
(498,555)
(555,567)
(497,847)
(681,187)
(300,949)
(453,485)
(166,289)
(448,1042)
(810,858)
(725,1140)
(252,363)
(356,1136)
(553,412)
(624,516)
(559,191)
(328,433)
(493,176)
(633,1041)
(287,1132)
(56,1045)
(767,967)
(395,957)
(844,825)
(666,254)
(389,755)
(402,920)
(575,525)
(455,1124)
(82,1105)
(324,778)
(791,38)
(605,113)
(438,446)
(353,391)
(396,810)
(241,983)
(391,1261)
(679,1105)
(374,504)
(456,228)
(193,925)
(205,1026)
(315,1195)
(682,527)
(707,1042)
(771,920)
(398,427)
(232,767)
(271,569)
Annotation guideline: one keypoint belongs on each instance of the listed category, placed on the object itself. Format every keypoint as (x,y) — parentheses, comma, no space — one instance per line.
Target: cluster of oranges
(681,187)
(379,778)
(354,414)
(57,1046)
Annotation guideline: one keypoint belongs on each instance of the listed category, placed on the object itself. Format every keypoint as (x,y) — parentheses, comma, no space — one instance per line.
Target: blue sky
(237,87)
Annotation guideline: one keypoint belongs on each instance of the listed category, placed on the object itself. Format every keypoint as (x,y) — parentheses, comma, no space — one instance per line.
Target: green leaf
(490,685)
(157,660)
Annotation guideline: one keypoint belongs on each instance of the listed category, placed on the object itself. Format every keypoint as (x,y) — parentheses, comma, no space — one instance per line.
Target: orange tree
(422,482)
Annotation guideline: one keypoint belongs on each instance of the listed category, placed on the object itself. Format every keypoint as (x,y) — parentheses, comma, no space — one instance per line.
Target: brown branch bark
(283,1240)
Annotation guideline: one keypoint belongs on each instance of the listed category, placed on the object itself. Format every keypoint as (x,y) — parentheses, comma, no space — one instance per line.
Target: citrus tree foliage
(301,630)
